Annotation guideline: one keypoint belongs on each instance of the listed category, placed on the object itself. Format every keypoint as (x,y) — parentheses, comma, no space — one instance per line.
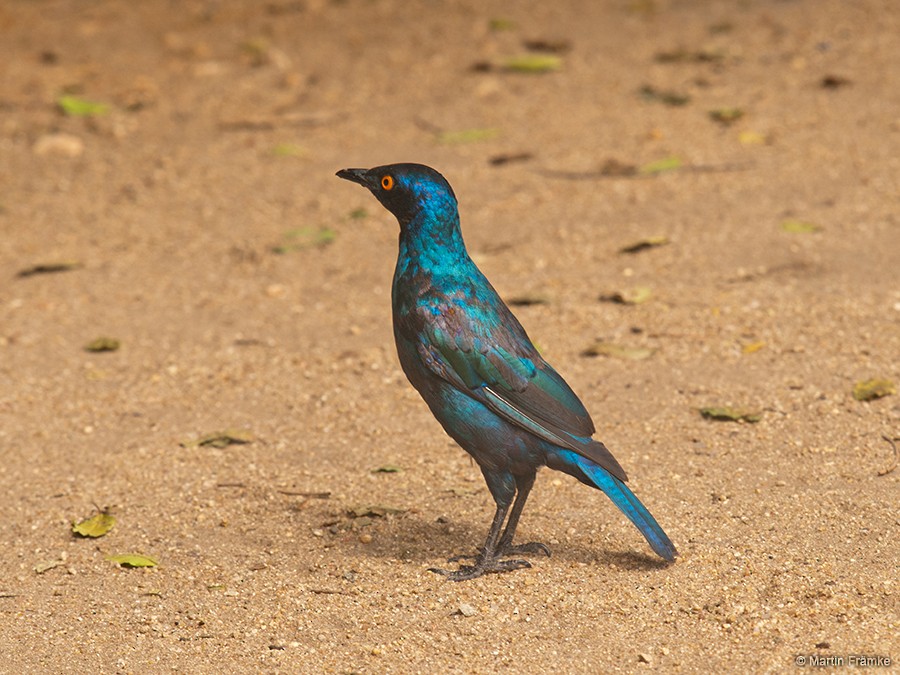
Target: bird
(472,362)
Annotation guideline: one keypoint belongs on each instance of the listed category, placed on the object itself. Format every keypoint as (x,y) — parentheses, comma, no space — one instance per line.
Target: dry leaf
(132,560)
(618,351)
(221,439)
(102,344)
(869,390)
(46,565)
(50,268)
(644,244)
(528,299)
(374,511)
(629,296)
(799,226)
(466,136)
(96,526)
(387,468)
(752,347)
(79,107)
(724,414)
(533,63)
(726,115)
(661,165)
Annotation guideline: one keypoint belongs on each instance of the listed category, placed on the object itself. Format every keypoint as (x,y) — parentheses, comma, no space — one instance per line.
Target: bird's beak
(360,176)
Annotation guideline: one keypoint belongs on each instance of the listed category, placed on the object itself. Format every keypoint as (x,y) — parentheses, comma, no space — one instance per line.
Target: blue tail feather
(621,496)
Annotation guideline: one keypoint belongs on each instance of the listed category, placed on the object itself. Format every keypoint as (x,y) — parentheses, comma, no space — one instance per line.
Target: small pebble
(62,145)
(466,609)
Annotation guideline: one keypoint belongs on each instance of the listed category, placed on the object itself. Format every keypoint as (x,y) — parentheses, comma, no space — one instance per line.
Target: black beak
(360,176)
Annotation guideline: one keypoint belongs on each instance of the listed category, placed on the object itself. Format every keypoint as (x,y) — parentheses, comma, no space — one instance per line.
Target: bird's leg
(505,547)
(503,487)
(487,560)
(496,547)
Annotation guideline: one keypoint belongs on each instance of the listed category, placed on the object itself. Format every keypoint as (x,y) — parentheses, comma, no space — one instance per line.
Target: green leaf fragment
(869,390)
(102,344)
(616,351)
(466,136)
(799,226)
(288,150)
(221,439)
(79,107)
(726,115)
(305,237)
(533,63)
(645,243)
(661,165)
(500,23)
(96,526)
(132,560)
(388,468)
(724,414)
(668,97)
(685,55)
(358,214)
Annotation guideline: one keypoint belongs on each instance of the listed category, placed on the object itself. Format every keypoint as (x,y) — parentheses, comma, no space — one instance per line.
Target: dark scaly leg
(487,560)
(505,547)
(503,488)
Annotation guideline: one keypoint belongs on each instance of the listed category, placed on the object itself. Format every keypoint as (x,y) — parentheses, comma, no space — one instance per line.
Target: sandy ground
(249,289)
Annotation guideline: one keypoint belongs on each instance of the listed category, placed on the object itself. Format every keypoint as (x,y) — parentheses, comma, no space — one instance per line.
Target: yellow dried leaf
(752,138)
(96,526)
(799,226)
(869,390)
(753,347)
(132,560)
(466,136)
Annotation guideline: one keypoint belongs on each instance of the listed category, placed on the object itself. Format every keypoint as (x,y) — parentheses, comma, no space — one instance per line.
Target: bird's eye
(387,182)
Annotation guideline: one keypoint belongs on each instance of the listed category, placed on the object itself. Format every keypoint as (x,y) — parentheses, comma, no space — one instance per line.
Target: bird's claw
(481,567)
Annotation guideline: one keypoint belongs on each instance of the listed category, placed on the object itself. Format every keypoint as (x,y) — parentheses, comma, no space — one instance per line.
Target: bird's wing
(495,362)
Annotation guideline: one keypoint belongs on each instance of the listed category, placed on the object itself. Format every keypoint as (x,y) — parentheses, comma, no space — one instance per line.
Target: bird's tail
(591,474)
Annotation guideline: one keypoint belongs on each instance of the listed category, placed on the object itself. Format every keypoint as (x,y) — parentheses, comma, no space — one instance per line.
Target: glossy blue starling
(484,381)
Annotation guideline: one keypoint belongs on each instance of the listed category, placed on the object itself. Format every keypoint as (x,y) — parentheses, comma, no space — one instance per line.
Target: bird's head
(406,190)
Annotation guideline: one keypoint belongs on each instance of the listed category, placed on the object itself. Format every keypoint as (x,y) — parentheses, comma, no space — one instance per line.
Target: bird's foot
(531,548)
(482,566)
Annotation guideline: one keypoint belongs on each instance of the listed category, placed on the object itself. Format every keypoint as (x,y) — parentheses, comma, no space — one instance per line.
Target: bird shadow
(414,538)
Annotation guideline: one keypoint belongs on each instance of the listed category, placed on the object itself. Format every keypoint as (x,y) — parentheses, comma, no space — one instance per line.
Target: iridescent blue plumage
(480,375)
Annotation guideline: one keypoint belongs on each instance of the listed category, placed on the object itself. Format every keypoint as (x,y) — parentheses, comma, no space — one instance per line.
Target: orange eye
(387,182)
